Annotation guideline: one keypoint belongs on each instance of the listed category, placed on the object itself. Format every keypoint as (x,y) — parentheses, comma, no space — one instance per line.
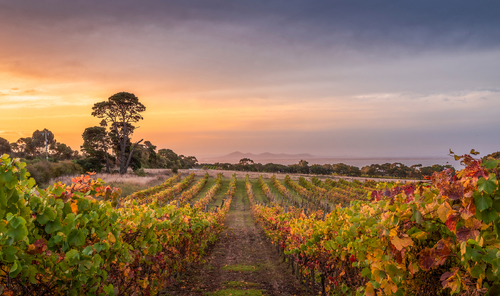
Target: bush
(175,170)
(43,171)
(90,164)
(140,172)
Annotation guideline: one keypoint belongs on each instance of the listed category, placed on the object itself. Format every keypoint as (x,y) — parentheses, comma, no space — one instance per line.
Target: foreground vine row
(72,240)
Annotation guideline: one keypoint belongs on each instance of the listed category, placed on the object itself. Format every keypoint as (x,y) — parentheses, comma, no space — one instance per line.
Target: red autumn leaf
(426,259)
(442,251)
(464,234)
(451,223)
(399,255)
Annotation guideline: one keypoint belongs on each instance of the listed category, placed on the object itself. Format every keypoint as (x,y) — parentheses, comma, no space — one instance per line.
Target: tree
(39,138)
(189,161)
(152,158)
(96,143)
(245,161)
(61,151)
(23,147)
(169,159)
(4,146)
(303,167)
(121,110)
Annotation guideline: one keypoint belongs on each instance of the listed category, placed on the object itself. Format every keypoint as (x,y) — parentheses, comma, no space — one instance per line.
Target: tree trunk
(123,167)
(132,152)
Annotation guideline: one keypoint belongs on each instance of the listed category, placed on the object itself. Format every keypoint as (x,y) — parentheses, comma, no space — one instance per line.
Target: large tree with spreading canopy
(120,111)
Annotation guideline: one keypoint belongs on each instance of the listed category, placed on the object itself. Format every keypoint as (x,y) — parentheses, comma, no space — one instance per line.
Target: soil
(243,262)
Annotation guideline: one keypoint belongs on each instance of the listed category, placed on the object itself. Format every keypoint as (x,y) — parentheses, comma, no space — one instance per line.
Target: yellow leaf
(369,291)
(401,243)
(444,211)
(111,238)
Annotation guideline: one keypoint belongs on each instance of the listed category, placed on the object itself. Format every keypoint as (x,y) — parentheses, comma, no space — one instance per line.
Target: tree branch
(132,152)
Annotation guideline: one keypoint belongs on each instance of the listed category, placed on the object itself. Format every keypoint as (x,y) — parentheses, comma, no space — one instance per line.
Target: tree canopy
(120,111)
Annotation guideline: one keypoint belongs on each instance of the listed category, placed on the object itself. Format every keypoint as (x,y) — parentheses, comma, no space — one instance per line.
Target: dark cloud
(367,24)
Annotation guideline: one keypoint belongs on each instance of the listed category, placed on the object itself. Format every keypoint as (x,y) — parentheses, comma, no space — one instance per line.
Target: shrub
(43,171)
(90,164)
(140,172)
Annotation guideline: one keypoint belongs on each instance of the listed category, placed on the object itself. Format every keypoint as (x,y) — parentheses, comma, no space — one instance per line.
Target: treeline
(63,160)
(396,169)
(107,147)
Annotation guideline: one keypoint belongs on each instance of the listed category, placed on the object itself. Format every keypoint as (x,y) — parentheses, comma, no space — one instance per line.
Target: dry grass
(129,182)
(114,178)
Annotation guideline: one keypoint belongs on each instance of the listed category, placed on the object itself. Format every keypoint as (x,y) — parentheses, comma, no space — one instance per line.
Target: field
(223,233)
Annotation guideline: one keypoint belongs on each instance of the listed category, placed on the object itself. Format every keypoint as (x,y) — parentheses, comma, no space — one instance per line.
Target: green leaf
(15,269)
(18,233)
(487,186)
(482,201)
(7,177)
(473,254)
(72,254)
(490,256)
(490,163)
(392,270)
(3,198)
(496,204)
(31,183)
(76,237)
(48,215)
(489,215)
(17,221)
(53,226)
(478,271)
(10,253)
(366,272)
(88,251)
(58,191)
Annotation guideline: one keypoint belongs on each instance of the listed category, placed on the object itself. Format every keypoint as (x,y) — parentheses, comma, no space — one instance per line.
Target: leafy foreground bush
(71,240)
(439,239)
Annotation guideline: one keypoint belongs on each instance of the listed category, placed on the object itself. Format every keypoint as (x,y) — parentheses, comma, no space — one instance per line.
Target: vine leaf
(451,223)
(444,211)
(464,234)
(487,186)
(401,243)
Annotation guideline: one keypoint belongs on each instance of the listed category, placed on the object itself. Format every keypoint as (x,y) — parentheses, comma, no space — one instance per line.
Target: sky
(330,78)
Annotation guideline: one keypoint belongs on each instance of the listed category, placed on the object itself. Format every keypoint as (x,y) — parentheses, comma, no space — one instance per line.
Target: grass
(238,284)
(235,292)
(240,267)
(128,183)
(221,194)
(203,192)
(257,192)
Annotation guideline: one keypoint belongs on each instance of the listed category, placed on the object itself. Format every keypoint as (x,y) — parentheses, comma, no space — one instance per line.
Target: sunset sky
(330,78)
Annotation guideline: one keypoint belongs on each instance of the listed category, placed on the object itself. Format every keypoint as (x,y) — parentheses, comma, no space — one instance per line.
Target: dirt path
(243,262)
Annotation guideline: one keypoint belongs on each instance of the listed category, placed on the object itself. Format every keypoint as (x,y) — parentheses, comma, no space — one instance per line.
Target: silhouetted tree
(120,111)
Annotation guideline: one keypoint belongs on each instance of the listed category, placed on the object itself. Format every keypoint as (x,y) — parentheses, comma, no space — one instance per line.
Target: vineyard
(219,236)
